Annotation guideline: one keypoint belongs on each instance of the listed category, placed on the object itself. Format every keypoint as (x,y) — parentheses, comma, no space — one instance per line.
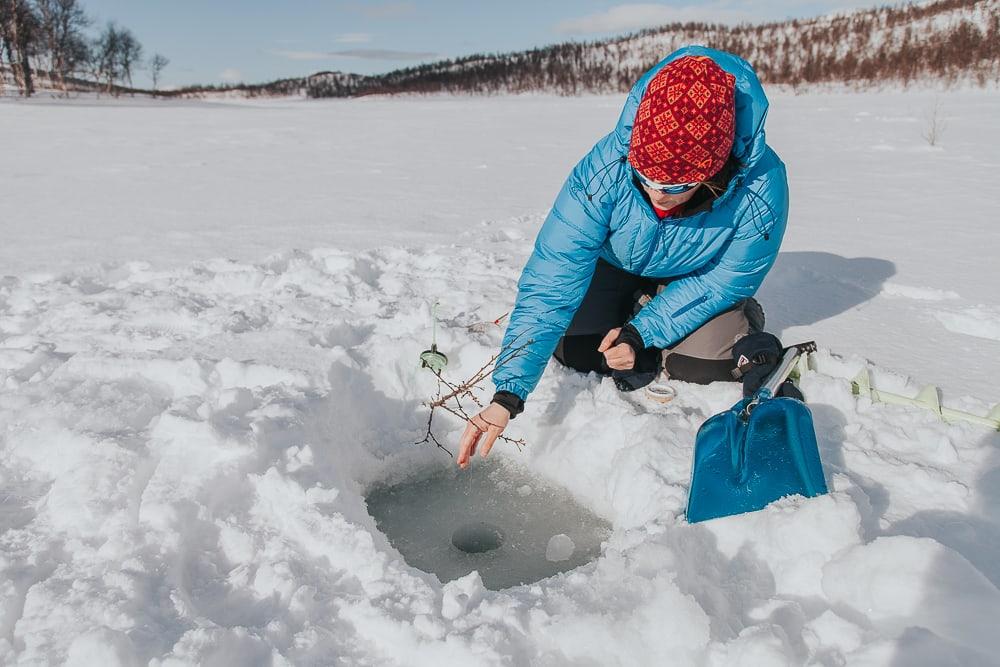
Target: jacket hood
(751,104)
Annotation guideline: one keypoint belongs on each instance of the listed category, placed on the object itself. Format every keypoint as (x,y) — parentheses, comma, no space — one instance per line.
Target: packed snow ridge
(186,451)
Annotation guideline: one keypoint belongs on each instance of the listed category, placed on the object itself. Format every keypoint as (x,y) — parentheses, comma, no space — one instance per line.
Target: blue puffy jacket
(717,257)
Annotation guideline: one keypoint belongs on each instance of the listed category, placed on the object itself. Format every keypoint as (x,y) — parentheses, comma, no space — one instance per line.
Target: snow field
(186,451)
(879,220)
(185,441)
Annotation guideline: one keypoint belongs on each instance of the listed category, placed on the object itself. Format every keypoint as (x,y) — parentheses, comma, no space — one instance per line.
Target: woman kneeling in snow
(655,244)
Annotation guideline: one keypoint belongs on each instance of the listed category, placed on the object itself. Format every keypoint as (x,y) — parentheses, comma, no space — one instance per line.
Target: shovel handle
(784,369)
(782,372)
(779,375)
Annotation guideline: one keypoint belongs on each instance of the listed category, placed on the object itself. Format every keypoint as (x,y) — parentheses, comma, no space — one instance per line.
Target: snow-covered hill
(940,42)
(936,43)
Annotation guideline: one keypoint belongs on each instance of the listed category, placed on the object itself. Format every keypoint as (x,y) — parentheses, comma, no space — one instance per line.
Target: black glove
(647,361)
(756,355)
(630,336)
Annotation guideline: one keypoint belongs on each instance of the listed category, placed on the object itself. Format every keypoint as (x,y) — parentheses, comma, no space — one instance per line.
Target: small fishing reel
(433,359)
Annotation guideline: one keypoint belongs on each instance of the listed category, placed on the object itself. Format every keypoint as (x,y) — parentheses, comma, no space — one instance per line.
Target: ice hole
(493,517)
(476,538)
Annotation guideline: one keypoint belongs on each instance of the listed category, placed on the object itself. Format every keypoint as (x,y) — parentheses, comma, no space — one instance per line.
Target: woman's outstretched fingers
(494,419)
(467,445)
(490,422)
(492,433)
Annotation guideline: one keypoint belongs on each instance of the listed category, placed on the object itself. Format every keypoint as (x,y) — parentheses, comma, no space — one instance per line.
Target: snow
(210,322)
(902,582)
(560,547)
(982,321)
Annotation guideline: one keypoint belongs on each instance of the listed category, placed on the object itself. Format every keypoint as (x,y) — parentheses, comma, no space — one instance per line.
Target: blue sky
(255,41)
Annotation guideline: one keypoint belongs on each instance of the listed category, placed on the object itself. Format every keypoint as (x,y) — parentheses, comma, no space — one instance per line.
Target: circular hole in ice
(499,519)
(477,537)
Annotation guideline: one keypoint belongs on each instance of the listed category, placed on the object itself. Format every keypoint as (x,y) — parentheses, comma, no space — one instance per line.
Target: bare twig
(429,437)
(451,402)
(935,124)
(518,442)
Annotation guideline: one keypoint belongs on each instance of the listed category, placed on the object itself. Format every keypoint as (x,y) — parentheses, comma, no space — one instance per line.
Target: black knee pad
(580,353)
(699,371)
(754,313)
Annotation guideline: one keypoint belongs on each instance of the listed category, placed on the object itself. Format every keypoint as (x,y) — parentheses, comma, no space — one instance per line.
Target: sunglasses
(665,188)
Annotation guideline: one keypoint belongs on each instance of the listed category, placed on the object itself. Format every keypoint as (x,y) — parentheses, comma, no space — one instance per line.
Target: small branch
(429,437)
(935,124)
(519,442)
(452,401)
(465,388)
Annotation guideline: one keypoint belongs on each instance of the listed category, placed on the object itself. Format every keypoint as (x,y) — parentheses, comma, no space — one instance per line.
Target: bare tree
(18,32)
(115,55)
(105,56)
(156,65)
(3,44)
(61,24)
(130,54)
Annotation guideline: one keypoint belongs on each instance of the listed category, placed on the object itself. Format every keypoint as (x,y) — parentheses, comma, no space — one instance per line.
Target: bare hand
(486,426)
(619,357)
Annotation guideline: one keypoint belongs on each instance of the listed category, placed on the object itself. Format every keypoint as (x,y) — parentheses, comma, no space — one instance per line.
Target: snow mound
(918,293)
(560,547)
(979,321)
(185,455)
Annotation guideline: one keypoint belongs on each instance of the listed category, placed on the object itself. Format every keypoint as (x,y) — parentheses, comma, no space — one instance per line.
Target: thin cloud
(300,55)
(382,10)
(354,38)
(364,54)
(231,75)
(384,54)
(624,18)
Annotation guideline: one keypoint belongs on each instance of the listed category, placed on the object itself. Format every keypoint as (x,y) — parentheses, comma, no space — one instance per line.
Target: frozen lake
(211,316)
(883,256)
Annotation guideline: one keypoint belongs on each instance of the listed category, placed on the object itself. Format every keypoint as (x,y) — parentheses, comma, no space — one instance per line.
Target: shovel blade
(744,465)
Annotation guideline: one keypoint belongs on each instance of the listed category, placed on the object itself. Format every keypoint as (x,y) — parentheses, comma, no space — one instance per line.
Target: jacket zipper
(697,302)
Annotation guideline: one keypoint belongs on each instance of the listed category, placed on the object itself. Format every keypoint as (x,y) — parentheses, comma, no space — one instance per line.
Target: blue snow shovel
(761,449)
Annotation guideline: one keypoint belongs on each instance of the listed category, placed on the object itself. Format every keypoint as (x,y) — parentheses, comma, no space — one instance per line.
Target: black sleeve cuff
(630,335)
(512,402)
